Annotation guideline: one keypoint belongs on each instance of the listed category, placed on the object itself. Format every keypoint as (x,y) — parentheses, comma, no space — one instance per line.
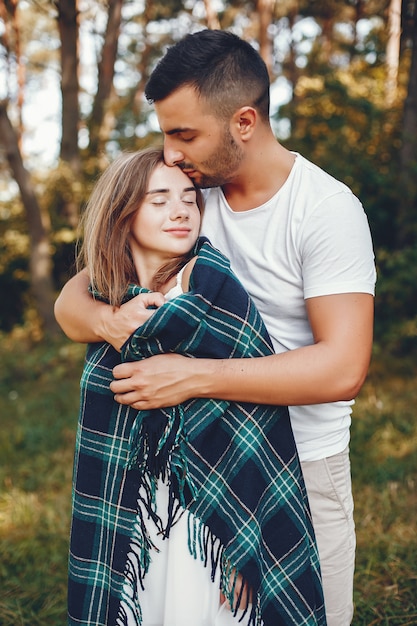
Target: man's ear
(244,121)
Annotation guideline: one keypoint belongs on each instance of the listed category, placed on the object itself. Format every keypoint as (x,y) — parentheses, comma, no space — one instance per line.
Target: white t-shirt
(310,239)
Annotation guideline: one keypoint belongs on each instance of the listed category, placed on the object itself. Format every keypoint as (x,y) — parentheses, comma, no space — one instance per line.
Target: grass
(38,408)
(384,468)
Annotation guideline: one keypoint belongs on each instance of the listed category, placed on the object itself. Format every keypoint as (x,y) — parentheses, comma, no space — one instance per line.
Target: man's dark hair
(223,69)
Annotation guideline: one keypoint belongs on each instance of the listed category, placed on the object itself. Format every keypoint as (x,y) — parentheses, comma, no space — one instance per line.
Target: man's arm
(86,320)
(333,368)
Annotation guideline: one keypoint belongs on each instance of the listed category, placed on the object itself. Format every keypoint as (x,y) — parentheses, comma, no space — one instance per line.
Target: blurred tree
(12,43)
(265,10)
(67,19)
(407,214)
(68,32)
(98,133)
(38,223)
(211,15)
(393,50)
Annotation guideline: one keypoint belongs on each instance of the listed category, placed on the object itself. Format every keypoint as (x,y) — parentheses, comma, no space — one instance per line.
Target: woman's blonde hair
(105,225)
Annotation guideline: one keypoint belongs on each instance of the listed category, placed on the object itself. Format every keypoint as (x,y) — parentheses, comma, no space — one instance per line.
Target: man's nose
(172,156)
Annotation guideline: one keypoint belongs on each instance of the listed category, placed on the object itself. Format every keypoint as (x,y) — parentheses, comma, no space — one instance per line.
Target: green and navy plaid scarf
(233,465)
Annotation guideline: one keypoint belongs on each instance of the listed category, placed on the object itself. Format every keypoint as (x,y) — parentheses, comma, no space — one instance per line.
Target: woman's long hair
(106,224)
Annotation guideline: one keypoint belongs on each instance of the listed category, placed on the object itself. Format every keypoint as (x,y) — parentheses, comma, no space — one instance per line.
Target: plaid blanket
(233,465)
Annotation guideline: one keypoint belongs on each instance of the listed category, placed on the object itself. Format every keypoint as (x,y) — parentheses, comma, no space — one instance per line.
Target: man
(300,243)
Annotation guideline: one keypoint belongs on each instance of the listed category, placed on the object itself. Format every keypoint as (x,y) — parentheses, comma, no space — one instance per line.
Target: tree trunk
(68,32)
(211,15)
(40,254)
(265,9)
(408,155)
(292,71)
(10,17)
(358,15)
(393,51)
(144,62)
(105,77)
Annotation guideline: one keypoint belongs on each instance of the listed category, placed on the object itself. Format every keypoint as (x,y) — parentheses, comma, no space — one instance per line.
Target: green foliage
(60,189)
(64,256)
(395,307)
(14,283)
(352,136)
(337,125)
(14,272)
(14,266)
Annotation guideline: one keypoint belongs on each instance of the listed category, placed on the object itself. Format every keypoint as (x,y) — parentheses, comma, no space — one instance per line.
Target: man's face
(196,140)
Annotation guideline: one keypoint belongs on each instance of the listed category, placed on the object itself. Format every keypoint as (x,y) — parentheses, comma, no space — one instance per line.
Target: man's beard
(221,166)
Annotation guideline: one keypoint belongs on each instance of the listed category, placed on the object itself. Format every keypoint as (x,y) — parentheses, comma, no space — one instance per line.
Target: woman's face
(167,223)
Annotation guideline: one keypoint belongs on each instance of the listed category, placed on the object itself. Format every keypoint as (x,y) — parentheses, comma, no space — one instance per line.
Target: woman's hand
(87,320)
(117,324)
(245,598)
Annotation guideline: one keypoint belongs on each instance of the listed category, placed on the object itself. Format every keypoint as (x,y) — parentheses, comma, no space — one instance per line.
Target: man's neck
(262,176)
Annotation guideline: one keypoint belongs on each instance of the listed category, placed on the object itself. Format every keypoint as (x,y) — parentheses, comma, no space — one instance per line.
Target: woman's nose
(179,211)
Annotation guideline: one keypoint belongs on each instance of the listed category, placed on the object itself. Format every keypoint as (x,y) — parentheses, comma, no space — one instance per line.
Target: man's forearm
(299,377)
(86,320)
(77,313)
(308,375)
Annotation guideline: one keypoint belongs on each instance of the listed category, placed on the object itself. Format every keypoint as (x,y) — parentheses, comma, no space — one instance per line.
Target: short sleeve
(337,251)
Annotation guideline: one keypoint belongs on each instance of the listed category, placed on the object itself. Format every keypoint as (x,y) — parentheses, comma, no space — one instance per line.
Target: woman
(193,515)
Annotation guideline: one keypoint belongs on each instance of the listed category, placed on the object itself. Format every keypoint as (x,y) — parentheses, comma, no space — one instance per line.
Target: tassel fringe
(154,437)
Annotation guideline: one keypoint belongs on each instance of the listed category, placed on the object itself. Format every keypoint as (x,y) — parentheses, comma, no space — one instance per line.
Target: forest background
(344,86)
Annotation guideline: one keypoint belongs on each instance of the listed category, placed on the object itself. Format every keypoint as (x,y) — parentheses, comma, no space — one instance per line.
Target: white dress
(178,588)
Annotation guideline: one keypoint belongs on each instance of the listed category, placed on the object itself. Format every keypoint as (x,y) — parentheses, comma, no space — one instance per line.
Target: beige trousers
(329,489)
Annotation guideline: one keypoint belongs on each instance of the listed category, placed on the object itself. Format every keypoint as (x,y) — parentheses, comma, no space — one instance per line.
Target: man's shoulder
(310,174)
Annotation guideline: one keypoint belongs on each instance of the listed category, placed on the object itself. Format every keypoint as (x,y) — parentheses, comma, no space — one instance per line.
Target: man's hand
(159,381)
(117,324)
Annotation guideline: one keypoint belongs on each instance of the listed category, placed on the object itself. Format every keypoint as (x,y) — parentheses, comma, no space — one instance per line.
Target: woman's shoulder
(186,273)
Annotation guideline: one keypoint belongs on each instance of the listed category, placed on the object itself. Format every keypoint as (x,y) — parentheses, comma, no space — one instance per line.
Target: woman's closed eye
(159,201)
(190,199)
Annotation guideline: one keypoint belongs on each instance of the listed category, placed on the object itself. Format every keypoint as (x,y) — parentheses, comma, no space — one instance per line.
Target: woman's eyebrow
(167,190)
(156,191)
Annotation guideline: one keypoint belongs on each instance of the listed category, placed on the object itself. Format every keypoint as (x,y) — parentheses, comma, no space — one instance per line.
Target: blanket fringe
(154,437)
(202,545)
(137,564)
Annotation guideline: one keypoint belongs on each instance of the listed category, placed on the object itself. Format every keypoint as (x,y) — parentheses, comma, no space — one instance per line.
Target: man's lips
(189,173)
